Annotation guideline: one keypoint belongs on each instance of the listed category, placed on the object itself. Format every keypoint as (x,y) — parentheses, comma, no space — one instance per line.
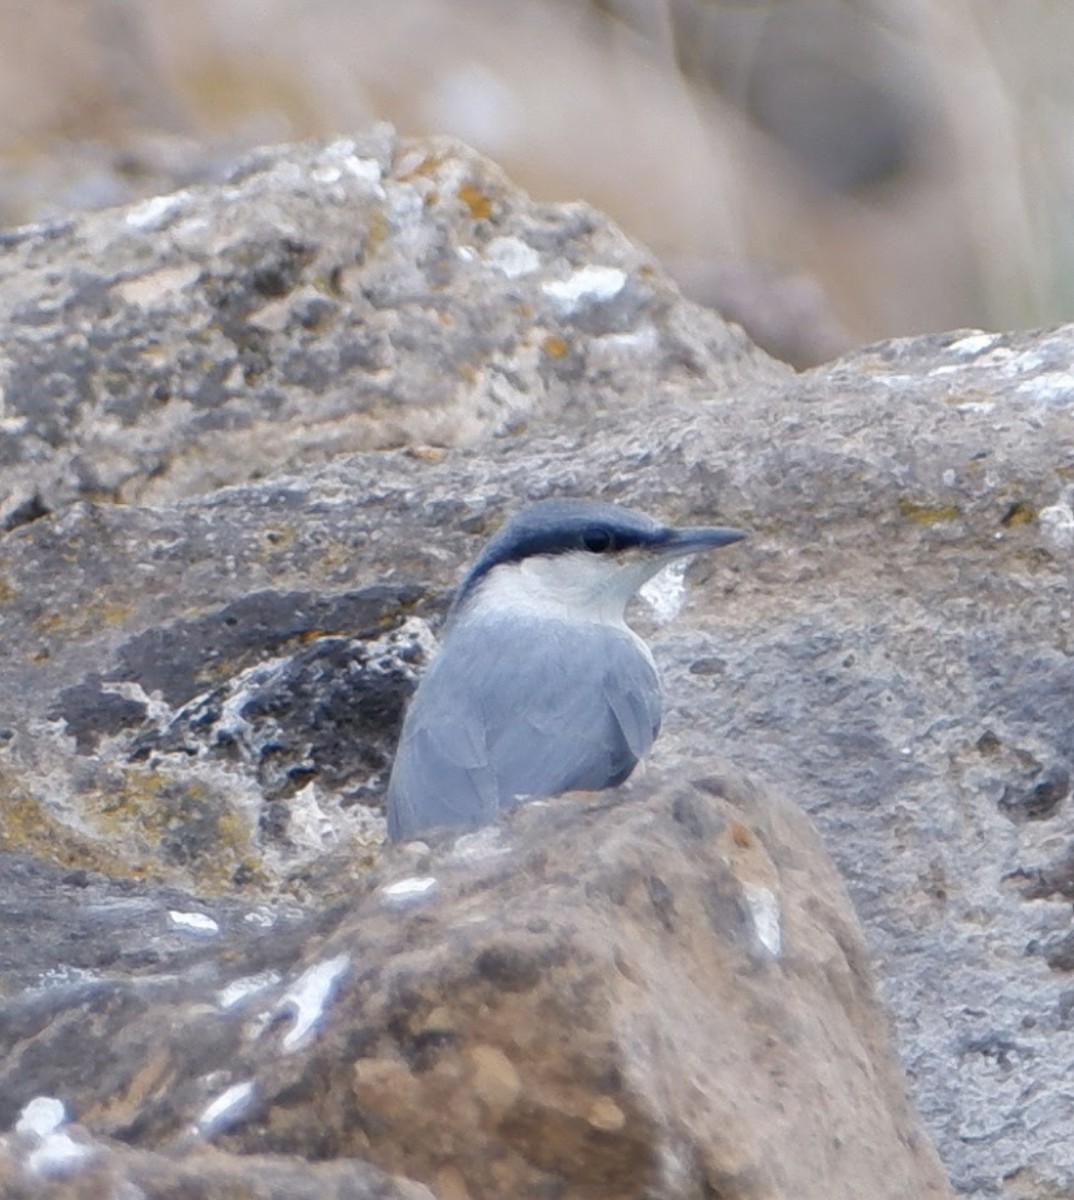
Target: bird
(540,686)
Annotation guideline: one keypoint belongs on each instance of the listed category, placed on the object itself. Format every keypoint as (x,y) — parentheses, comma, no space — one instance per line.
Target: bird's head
(577,559)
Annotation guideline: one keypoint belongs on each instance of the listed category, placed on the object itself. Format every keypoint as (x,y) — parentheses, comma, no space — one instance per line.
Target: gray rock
(364,294)
(889,650)
(98,1167)
(629,998)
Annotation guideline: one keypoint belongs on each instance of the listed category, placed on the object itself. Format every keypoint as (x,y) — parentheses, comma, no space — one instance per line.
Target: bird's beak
(681,542)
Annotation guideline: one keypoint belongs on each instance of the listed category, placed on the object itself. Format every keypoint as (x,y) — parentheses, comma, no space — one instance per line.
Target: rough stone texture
(889,649)
(667,996)
(116,1169)
(361,295)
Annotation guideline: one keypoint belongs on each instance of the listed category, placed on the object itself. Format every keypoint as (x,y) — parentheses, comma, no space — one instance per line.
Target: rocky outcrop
(357,296)
(198,700)
(661,993)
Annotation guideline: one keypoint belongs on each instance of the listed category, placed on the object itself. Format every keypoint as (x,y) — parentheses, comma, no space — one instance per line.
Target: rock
(181,681)
(112,1168)
(621,997)
(218,334)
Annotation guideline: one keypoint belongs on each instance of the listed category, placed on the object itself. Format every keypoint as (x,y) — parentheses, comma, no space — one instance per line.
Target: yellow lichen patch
(376,232)
(427,454)
(555,347)
(335,554)
(83,619)
(330,283)
(476,201)
(8,591)
(130,803)
(172,829)
(51,622)
(280,539)
(427,166)
(253,875)
(1021,512)
(928,514)
(29,827)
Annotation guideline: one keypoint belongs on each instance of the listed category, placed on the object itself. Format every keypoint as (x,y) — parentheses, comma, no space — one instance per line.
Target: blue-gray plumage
(540,686)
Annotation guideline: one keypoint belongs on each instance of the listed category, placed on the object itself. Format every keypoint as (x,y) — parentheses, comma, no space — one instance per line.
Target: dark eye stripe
(560,527)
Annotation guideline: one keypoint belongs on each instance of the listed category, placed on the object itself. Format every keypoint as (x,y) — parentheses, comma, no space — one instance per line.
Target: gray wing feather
(637,711)
(499,716)
(441,774)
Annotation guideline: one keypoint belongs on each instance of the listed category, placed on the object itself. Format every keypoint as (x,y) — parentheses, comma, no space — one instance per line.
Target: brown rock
(661,992)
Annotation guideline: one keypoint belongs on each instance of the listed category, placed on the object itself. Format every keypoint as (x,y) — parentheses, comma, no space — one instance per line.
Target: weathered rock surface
(670,997)
(360,295)
(198,699)
(107,1168)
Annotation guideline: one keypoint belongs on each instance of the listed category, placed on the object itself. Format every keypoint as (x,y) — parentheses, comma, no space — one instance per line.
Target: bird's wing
(637,706)
(441,775)
(591,714)
(499,716)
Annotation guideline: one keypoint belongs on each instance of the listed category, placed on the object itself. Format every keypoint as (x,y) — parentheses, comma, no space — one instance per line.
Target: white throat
(573,586)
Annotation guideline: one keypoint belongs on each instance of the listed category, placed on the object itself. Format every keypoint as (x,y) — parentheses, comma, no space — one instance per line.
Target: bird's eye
(597,539)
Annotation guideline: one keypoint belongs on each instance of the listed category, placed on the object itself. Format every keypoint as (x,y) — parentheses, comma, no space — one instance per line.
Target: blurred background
(826,172)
